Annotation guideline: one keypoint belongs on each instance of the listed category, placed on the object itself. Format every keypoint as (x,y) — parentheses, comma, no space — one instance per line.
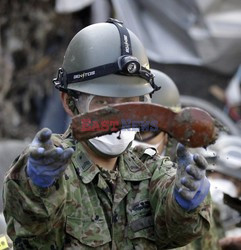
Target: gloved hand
(46,162)
(191,183)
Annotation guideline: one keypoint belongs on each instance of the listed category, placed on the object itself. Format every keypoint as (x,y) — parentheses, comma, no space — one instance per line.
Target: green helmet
(106,59)
(168,95)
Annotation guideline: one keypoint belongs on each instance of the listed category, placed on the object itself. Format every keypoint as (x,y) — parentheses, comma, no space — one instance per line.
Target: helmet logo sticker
(126,44)
(83,75)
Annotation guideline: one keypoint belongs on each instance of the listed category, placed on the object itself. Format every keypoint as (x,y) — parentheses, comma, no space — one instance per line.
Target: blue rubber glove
(46,162)
(191,183)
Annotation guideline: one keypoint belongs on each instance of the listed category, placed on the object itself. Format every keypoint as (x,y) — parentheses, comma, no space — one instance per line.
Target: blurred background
(197,43)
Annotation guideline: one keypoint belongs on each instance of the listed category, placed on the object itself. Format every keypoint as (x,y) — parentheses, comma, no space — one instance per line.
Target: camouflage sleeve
(173,225)
(29,210)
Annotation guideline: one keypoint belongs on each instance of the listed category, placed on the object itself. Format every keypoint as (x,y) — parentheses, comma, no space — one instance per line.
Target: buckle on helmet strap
(60,82)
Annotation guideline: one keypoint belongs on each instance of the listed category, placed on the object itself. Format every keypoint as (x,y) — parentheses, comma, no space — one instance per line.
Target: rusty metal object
(191,126)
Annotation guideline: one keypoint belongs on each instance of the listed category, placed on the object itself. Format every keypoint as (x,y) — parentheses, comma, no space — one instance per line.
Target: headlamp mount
(125,65)
(128,65)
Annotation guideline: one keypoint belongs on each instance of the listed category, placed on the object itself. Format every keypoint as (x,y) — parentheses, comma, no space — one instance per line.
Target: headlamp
(129,65)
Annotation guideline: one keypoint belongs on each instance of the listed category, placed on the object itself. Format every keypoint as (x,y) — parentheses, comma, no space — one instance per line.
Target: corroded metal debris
(191,126)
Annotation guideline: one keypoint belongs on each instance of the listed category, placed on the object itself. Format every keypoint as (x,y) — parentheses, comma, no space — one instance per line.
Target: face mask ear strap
(83,101)
(147,98)
(72,105)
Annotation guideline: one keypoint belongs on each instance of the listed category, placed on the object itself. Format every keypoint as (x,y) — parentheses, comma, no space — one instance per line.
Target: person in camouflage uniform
(169,96)
(98,194)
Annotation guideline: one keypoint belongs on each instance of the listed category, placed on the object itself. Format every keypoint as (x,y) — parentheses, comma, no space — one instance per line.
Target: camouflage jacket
(209,241)
(81,211)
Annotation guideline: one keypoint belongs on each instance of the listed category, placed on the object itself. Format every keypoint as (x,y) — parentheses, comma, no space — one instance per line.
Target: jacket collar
(85,168)
(130,166)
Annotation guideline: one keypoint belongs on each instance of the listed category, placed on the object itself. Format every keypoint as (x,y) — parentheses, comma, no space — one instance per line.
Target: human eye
(101,102)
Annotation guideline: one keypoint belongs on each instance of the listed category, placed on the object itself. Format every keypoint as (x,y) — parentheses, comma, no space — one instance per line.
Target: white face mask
(115,143)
